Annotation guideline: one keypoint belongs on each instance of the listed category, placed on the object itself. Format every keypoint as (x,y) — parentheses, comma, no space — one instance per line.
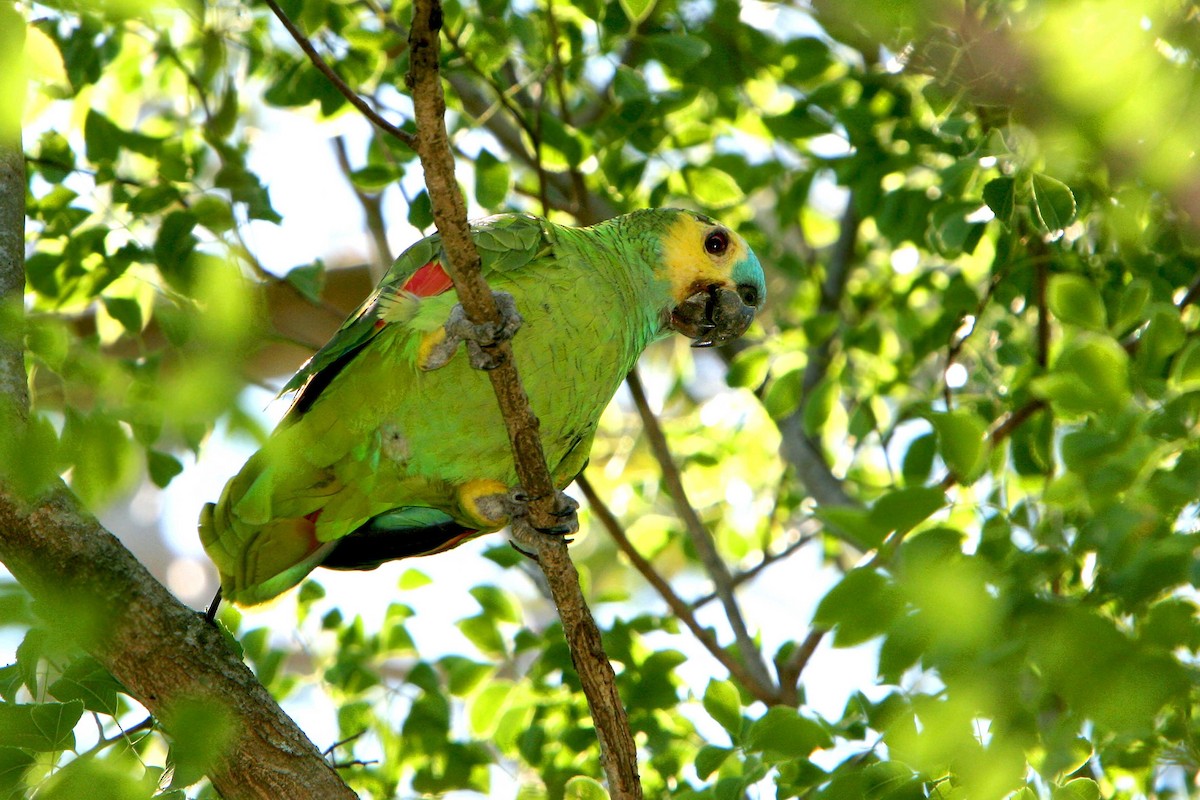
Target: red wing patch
(428,281)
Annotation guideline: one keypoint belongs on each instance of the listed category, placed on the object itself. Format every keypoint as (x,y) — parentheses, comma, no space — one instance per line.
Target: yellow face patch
(689,266)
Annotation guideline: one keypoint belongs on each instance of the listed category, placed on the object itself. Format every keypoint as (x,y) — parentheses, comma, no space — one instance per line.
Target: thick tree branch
(161,651)
(339,84)
(738,670)
(93,588)
(617,748)
(702,540)
(13,382)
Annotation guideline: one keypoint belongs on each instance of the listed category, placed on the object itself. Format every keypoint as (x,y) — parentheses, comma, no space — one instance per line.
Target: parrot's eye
(716,243)
(749,294)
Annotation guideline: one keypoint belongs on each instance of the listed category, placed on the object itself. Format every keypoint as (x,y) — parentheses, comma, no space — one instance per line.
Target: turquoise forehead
(748,270)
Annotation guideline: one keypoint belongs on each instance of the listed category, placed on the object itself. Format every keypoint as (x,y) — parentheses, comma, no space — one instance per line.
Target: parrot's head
(717,284)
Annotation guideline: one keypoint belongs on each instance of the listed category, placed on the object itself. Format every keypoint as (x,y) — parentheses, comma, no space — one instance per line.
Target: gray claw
(516,504)
(460,329)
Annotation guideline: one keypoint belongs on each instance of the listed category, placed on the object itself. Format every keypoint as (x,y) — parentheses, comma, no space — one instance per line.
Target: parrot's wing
(506,242)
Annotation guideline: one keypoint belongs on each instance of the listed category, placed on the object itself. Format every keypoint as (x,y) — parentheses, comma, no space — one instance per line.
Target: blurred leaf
(722,703)
(903,509)
(782,734)
(860,607)
(1053,202)
(637,10)
(492,180)
(1078,789)
(40,727)
(1074,300)
(962,443)
(584,788)
(999,194)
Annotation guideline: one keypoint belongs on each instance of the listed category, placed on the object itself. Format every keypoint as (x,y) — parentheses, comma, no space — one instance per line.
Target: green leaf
(86,680)
(413,578)
(581,787)
(637,10)
(40,727)
(749,368)
(492,179)
(1091,374)
(904,509)
(722,702)
(918,459)
(710,758)
(374,177)
(678,51)
(784,393)
(101,138)
(485,709)
(213,213)
(497,603)
(1074,300)
(713,188)
(1185,372)
(961,443)
(125,310)
(1078,789)
(783,734)
(1053,202)
(481,630)
(309,280)
(859,608)
(420,211)
(200,733)
(14,763)
(1000,194)
(118,777)
(163,467)
(819,405)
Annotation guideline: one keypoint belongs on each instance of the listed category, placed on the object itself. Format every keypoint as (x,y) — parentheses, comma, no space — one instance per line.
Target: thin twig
(791,670)
(798,448)
(147,724)
(701,538)
(678,605)
(372,207)
(339,84)
(618,751)
(752,572)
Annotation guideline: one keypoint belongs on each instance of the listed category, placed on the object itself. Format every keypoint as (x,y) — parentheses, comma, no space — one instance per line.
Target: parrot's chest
(445,425)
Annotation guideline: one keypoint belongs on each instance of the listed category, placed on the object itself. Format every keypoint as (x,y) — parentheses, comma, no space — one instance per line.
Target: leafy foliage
(976,391)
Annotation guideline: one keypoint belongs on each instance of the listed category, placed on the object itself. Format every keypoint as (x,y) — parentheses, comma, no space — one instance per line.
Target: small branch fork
(339,84)
(617,748)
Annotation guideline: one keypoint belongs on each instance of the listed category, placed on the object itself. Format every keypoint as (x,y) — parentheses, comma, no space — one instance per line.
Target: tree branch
(93,588)
(339,84)
(618,752)
(160,650)
(797,446)
(702,540)
(372,207)
(766,693)
(13,381)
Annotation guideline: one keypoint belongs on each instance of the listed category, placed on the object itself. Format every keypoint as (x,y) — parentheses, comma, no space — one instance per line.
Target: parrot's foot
(460,329)
(515,506)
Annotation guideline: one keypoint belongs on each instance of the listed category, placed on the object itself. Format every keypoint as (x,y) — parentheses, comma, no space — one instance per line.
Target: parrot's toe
(459,328)
(563,511)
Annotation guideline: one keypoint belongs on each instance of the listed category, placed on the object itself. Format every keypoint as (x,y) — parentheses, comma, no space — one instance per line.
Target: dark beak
(714,316)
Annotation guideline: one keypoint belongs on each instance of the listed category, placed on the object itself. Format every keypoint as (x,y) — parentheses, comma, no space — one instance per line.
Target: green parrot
(394,445)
